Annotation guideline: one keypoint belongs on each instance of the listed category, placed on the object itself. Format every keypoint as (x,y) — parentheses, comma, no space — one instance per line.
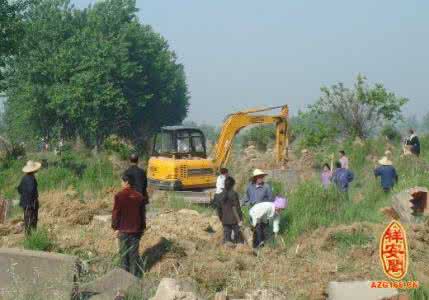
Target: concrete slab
(357,290)
(39,274)
(110,285)
(170,289)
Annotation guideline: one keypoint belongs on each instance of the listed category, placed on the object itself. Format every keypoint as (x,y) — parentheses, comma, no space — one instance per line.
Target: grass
(39,240)
(346,240)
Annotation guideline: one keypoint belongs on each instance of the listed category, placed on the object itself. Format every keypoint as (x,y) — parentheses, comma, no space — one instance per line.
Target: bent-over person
(129,222)
(29,196)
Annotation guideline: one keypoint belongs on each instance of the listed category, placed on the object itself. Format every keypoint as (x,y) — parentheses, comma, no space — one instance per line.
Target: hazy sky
(239,54)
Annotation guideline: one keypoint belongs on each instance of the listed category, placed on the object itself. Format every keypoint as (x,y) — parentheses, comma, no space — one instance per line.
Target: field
(324,237)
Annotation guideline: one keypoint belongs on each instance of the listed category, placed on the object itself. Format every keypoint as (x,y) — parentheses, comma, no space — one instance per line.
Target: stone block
(357,290)
(40,274)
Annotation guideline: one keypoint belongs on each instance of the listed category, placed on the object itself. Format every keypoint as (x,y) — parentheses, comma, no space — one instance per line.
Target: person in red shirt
(129,223)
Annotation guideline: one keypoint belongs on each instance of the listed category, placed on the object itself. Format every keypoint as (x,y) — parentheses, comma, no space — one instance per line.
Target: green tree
(11,30)
(92,73)
(359,110)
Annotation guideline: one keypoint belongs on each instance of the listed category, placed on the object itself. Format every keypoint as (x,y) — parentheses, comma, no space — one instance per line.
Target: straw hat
(385,161)
(258,172)
(31,167)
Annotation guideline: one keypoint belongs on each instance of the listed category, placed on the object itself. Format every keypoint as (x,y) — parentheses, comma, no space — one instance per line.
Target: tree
(358,111)
(92,73)
(11,30)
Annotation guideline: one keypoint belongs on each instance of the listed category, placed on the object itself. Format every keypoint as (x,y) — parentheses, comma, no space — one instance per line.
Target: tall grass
(38,240)
(310,206)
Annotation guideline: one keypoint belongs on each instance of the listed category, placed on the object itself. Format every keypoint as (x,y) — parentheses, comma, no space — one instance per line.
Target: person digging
(261,215)
(29,196)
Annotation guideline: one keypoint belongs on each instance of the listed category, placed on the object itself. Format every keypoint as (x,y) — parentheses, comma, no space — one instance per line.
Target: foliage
(11,24)
(313,129)
(262,135)
(391,133)
(79,73)
(357,111)
(38,240)
(114,144)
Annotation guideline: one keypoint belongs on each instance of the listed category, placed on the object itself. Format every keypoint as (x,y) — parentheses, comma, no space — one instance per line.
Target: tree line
(88,73)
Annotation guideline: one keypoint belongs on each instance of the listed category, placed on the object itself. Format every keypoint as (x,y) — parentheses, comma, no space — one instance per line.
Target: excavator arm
(237,121)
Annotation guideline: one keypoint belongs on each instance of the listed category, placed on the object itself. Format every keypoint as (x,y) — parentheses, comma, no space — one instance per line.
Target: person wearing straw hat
(262,214)
(258,190)
(387,173)
(29,196)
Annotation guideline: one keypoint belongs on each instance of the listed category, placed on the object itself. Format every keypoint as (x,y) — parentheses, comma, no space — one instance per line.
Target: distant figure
(413,143)
(261,215)
(387,174)
(342,177)
(220,185)
(139,176)
(220,182)
(344,160)
(129,223)
(326,176)
(230,213)
(29,200)
(258,191)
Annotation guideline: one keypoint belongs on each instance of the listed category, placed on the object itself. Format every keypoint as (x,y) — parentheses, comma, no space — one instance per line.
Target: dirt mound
(66,207)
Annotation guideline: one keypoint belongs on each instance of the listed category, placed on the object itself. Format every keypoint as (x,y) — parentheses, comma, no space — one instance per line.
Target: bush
(261,135)
(38,240)
(113,144)
(391,133)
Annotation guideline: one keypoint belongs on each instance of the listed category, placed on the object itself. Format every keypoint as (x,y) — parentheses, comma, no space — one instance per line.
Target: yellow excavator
(179,160)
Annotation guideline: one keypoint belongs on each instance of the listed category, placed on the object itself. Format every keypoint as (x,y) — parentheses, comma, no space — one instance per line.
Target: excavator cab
(180,142)
(179,160)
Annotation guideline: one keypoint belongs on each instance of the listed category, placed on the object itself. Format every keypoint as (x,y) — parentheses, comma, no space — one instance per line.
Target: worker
(342,177)
(230,212)
(261,214)
(387,173)
(129,223)
(326,175)
(413,142)
(29,200)
(139,175)
(258,190)
(344,160)
(220,185)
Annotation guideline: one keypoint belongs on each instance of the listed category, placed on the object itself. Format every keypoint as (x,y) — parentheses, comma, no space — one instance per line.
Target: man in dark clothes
(413,142)
(229,212)
(29,200)
(139,176)
(129,222)
(387,173)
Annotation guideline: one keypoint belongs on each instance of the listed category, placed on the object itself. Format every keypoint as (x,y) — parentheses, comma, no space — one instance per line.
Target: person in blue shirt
(387,173)
(258,190)
(342,177)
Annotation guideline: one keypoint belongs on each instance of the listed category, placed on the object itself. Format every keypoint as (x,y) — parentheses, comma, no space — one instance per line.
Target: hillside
(324,238)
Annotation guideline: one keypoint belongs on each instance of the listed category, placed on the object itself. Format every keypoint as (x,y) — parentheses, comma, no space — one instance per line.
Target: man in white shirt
(220,182)
(261,214)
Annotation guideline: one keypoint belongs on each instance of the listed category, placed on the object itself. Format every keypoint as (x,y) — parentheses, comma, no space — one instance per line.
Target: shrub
(113,144)
(261,135)
(38,240)
(391,133)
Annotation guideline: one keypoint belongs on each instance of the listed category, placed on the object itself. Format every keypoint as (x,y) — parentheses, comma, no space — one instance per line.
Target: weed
(347,240)
(38,240)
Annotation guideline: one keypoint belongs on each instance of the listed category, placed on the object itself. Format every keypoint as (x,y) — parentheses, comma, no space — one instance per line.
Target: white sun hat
(385,161)
(31,167)
(258,172)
